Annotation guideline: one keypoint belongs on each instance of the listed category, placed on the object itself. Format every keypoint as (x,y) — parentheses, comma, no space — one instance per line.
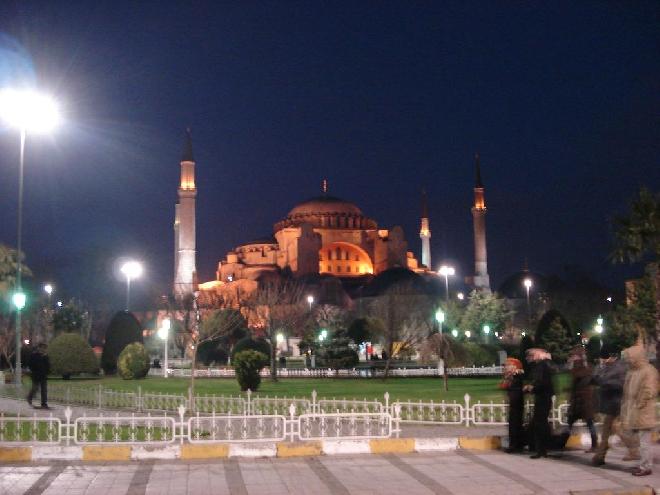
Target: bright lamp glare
(48,289)
(28,110)
(131,269)
(527,282)
(447,271)
(19,299)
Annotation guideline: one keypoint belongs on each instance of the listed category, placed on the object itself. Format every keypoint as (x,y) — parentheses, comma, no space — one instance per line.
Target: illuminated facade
(184,225)
(323,235)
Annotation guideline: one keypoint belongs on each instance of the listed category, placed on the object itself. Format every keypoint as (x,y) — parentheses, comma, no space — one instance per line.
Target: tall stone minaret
(184,225)
(481,280)
(425,233)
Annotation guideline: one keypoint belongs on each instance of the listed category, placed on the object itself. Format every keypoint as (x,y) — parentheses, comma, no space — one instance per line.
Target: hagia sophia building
(321,236)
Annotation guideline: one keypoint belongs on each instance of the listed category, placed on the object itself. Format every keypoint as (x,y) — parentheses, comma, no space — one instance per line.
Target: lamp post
(164,333)
(486,329)
(447,271)
(440,318)
(27,111)
(48,289)
(310,301)
(528,285)
(131,270)
(599,328)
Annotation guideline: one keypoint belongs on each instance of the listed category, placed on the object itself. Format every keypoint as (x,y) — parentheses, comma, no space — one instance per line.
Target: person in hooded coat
(543,390)
(640,391)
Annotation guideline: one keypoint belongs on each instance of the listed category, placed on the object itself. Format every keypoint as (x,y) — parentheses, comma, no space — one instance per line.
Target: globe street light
(48,289)
(486,332)
(27,111)
(460,296)
(454,333)
(164,333)
(528,284)
(440,318)
(131,270)
(310,301)
(447,271)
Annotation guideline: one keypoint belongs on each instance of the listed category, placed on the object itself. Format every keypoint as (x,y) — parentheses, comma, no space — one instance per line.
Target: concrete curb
(25,453)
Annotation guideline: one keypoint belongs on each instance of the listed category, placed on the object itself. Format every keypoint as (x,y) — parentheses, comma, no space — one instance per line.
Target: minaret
(481,280)
(184,225)
(425,233)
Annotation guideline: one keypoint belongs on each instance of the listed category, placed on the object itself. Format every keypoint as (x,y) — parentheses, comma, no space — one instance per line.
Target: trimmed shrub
(71,355)
(133,362)
(248,364)
(338,353)
(248,343)
(124,329)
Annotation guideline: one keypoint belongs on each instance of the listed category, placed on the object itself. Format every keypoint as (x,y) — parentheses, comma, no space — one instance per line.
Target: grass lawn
(425,389)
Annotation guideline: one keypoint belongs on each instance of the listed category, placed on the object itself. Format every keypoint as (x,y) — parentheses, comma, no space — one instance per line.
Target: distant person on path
(610,377)
(513,384)
(581,403)
(39,365)
(543,390)
(638,407)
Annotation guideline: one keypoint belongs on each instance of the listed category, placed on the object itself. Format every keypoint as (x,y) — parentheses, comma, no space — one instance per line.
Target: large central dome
(324,204)
(328,212)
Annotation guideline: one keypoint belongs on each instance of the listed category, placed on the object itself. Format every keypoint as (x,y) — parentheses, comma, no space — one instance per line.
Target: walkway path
(459,472)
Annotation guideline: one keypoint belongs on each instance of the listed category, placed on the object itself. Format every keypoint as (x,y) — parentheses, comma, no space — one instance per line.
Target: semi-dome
(328,212)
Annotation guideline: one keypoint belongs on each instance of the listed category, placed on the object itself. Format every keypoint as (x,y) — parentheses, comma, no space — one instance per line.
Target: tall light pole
(528,285)
(447,271)
(599,328)
(164,333)
(27,111)
(131,270)
(48,289)
(310,301)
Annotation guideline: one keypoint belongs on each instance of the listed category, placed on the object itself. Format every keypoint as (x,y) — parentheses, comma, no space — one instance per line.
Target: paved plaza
(459,472)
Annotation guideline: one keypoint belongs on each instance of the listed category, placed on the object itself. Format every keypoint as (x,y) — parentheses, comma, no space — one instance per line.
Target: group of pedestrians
(627,391)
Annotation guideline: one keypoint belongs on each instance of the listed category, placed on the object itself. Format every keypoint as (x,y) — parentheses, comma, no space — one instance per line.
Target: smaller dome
(324,204)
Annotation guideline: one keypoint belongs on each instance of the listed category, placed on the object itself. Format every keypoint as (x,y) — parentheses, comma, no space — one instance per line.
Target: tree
(485,308)
(248,364)
(637,239)
(526,343)
(557,340)
(227,326)
(8,264)
(133,362)
(337,352)
(364,329)
(124,329)
(441,346)
(278,306)
(621,329)
(70,354)
(406,315)
(72,318)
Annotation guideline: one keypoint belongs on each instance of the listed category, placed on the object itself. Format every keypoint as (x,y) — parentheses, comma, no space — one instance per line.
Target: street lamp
(447,271)
(440,318)
(528,285)
(468,334)
(454,333)
(310,301)
(27,111)
(460,296)
(48,289)
(131,270)
(486,329)
(323,335)
(164,333)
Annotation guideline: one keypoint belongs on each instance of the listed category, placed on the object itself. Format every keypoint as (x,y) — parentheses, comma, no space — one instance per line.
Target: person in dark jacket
(39,365)
(513,384)
(581,399)
(610,377)
(543,390)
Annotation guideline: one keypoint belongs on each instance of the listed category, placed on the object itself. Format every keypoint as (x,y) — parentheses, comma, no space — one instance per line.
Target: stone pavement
(459,472)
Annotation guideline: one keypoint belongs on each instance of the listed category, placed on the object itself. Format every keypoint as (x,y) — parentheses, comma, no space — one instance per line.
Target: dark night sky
(561,99)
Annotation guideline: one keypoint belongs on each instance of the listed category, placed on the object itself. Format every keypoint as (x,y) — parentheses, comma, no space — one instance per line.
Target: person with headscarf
(513,384)
(638,405)
(581,398)
(543,390)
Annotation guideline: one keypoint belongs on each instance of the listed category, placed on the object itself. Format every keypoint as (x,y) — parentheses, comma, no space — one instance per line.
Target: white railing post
(397,418)
(67,425)
(100,397)
(314,404)
(248,410)
(292,414)
(387,401)
(466,397)
(182,411)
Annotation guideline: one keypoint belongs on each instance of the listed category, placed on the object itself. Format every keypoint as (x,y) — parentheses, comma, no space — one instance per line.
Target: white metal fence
(327,373)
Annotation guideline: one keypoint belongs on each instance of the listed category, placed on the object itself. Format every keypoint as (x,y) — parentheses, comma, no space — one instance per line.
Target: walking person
(610,377)
(513,384)
(39,365)
(543,390)
(638,406)
(582,394)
